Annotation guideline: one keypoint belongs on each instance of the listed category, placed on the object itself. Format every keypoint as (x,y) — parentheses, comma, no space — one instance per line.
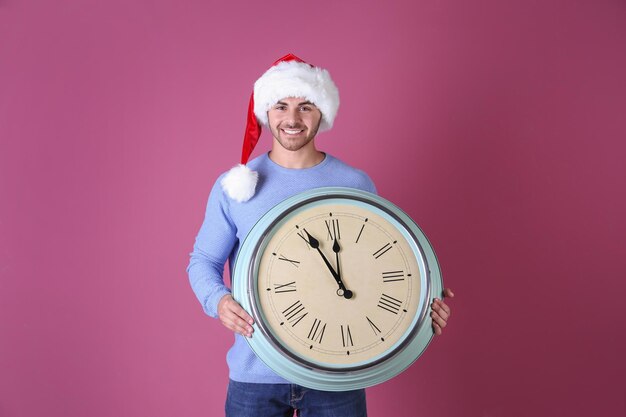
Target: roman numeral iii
(392,276)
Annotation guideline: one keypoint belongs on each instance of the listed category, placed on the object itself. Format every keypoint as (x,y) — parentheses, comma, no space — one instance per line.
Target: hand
(441,312)
(336,248)
(234,317)
(315,244)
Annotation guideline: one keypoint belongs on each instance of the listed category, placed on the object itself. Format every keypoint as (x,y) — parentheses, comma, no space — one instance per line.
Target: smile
(292,131)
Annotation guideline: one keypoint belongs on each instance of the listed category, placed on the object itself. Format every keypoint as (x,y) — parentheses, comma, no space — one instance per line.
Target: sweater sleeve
(214,244)
(371,187)
(366,183)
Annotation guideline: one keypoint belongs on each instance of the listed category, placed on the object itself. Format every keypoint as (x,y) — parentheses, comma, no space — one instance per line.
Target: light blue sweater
(227,223)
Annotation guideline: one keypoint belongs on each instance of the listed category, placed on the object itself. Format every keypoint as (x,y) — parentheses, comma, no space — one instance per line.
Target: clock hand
(336,249)
(315,244)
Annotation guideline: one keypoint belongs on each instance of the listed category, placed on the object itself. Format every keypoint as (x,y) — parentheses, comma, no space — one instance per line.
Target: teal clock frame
(324,376)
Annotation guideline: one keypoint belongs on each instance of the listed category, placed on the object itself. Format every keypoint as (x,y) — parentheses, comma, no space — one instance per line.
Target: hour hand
(336,248)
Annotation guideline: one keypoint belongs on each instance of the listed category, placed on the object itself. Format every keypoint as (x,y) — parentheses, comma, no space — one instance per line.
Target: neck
(305,157)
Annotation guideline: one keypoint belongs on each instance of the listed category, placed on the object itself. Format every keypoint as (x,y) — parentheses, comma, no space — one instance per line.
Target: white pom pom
(240,183)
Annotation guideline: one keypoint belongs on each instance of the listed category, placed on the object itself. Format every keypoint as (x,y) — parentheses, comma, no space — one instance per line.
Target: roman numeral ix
(288,287)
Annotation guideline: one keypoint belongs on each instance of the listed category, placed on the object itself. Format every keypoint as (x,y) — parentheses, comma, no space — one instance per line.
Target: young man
(295,100)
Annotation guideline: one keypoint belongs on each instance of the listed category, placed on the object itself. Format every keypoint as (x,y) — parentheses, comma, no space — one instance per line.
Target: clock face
(338,284)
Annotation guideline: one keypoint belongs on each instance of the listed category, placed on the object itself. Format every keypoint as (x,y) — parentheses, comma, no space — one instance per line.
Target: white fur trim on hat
(240,183)
(297,79)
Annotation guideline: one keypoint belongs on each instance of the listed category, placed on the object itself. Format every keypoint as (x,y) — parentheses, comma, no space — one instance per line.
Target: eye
(280,107)
(305,108)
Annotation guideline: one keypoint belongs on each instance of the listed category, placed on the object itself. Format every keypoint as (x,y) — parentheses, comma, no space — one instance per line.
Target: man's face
(294,122)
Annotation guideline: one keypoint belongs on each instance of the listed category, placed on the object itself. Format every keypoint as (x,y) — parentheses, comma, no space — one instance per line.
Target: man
(295,100)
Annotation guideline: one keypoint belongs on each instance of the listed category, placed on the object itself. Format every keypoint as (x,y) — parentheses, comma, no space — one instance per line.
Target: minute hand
(315,244)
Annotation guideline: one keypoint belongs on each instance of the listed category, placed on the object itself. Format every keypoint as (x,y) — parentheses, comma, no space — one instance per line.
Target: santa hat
(288,77)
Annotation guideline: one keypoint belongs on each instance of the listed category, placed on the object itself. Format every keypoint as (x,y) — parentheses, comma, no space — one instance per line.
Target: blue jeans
(281,400)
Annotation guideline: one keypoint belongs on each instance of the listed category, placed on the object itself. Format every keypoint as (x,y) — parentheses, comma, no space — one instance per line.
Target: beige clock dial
(338,285)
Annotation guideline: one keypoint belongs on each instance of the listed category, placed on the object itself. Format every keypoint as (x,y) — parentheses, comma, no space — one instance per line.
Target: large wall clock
(339,282)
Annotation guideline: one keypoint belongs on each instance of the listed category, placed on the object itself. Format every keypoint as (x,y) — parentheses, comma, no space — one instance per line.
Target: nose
(293,116)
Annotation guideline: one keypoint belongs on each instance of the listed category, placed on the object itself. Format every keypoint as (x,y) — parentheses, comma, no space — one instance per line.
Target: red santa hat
(288,77)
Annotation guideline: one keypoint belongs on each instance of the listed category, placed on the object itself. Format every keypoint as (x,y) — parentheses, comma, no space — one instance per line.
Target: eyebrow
(299,104)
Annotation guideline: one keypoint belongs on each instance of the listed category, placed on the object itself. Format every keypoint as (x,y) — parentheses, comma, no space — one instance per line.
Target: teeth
(291,132)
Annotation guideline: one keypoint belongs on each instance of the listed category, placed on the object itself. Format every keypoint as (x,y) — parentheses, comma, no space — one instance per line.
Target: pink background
(498,125)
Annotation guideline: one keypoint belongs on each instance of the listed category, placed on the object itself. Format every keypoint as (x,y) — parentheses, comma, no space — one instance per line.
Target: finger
(442,308)
(442,314)
(229,314)
(438,319)
(236,324)
(240,312)
(437,329)
(448,293)
(242,322)
(236,308)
